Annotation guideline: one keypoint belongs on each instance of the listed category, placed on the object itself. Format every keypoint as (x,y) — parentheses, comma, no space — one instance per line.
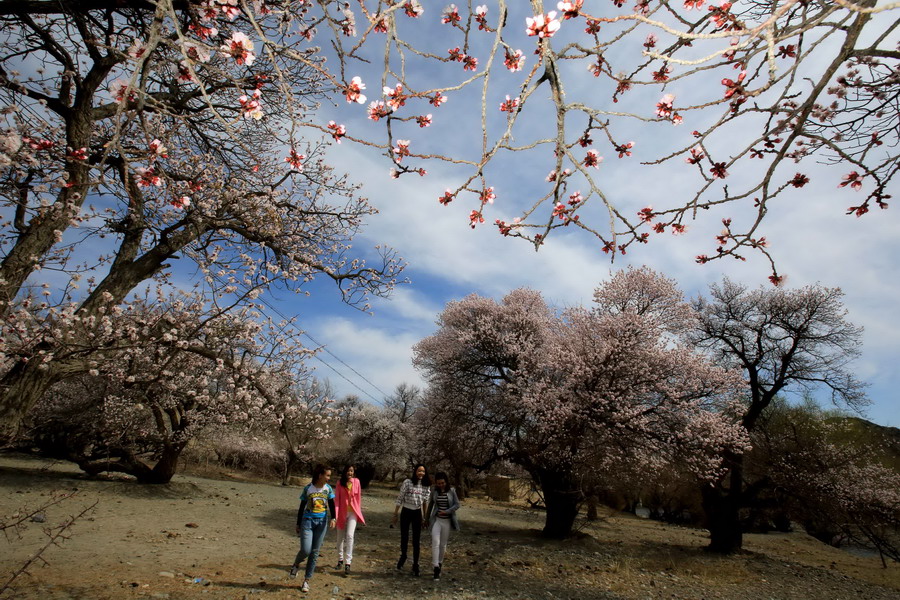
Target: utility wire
(262,300)
(320,359)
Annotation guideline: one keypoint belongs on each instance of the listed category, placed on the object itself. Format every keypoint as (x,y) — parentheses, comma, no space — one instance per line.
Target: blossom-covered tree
(758,91)
(783,341)
(159,376)
(143,135)
(829,472)
(379,443)
(304,415)
(562,393)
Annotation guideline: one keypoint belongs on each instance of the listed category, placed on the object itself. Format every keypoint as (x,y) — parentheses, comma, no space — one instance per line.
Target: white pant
(440,535)
(345,538)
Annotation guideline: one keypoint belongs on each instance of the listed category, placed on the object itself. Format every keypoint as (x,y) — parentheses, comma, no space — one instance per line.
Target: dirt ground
(199,538)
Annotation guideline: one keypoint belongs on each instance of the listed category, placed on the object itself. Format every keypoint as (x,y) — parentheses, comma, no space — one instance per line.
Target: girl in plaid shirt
(411,509)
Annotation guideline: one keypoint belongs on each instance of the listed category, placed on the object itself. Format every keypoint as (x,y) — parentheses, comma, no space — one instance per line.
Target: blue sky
(811,237)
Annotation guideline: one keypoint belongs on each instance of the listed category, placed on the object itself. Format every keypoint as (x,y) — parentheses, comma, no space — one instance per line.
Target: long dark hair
(344,477)
(426,480)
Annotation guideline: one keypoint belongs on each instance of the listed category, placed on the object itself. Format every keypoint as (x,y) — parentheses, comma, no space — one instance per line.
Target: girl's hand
(332,524)
(297,529)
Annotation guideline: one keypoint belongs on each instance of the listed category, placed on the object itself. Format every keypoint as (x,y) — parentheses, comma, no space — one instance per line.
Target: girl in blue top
(316,500)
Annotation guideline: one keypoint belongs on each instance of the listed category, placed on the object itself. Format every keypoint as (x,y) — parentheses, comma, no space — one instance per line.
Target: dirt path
(201,538)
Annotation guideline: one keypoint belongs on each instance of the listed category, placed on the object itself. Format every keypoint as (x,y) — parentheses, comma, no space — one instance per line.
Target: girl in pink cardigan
(348,507)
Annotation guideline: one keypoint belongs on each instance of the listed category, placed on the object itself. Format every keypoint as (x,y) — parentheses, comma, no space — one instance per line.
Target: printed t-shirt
(316,500)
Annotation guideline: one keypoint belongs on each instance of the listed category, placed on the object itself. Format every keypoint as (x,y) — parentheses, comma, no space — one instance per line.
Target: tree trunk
(21,387)
(561,496)
(165,467)
(722,507)
(161,472)
(592,513)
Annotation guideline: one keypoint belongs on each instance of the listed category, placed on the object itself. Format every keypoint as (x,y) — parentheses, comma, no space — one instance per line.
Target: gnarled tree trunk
(562,495)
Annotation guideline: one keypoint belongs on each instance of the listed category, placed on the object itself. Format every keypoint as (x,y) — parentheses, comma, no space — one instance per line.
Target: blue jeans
(312,534)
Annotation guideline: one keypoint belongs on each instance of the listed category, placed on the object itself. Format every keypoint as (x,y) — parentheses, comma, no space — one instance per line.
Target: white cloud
(378,354)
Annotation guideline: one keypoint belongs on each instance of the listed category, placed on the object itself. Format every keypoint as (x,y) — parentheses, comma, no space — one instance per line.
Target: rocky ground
(200,538)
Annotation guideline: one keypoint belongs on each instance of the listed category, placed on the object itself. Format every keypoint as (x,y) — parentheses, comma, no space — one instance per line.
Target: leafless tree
(783,341)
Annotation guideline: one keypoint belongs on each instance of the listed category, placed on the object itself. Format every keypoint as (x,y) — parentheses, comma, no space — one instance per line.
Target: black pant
(410,516)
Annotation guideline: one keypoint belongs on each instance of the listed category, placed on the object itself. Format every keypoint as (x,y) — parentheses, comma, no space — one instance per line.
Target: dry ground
(200,538)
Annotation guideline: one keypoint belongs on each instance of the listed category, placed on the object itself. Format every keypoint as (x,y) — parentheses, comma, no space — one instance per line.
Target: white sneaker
(305,586)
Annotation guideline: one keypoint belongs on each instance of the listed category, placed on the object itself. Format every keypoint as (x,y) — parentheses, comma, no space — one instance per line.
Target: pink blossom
(182,202)
(509,105)
(447,198)
(593,159)
(695,157)
(543,26)
(147,177)
(475,218)
(487,196)
(470,63)
(664,107)
(413,9)
(239,47)
(157,149)
(354,91)
(137,50)
(692,4)
(514,61)
(196,52)
(118,90)
(337,131)
(438,99)
(401,149)
(77,153)
(395,96)
(570,9)
(646,214)
(624,149)
(424,120)
(734,87)
(666,110)
(202,31)
(481,18)
(718,170)
(378,110)
(852,179)
(39,145)
(295,159)
(251,107)
(450,15)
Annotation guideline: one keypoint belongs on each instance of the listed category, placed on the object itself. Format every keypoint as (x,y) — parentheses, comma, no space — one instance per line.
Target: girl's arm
(302,506)
(454,502)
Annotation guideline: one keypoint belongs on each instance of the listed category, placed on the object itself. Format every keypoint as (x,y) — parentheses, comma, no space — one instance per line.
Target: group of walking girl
(438,513)
(418,505)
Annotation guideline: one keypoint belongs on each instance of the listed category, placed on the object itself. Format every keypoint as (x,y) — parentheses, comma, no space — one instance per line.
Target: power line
(333,355)
(360,375)
(320,359)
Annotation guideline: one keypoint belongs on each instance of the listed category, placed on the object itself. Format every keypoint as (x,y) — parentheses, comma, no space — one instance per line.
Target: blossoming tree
(561,394)
(759,92)
(138,136)
(161,374)
(834,474)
